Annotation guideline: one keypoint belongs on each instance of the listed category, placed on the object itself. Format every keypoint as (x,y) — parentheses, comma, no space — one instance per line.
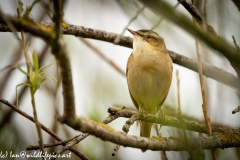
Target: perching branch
(223,138)
(103,131)
(169,121)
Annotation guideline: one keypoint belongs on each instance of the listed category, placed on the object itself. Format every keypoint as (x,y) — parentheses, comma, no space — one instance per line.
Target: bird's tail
(145,130)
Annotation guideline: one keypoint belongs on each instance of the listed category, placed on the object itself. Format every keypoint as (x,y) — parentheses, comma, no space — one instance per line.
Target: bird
(149,74)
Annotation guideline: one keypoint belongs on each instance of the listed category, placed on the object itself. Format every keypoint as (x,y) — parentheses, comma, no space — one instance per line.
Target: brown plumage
(149,74)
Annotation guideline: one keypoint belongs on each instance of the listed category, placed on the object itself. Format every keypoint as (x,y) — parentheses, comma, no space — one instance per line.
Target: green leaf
(52,79)
(33,78)
(47,66)
(27,47)
(21,70)
(36,77)
(42,80)
(20,6)
(32,5)
(21,84)
(35,60)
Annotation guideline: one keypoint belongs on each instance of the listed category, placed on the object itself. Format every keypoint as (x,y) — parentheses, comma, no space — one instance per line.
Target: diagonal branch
(82,136)
(109,61)
(47,130)
(26,25)
(227,50)
(237,4)
(68,144)
(196,15)
(80,31)
(208,70)
(125,28)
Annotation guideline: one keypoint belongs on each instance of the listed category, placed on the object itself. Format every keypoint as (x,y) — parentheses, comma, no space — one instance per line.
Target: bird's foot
(160,116)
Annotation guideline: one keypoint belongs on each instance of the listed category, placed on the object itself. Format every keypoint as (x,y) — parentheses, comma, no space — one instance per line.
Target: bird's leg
(160,117)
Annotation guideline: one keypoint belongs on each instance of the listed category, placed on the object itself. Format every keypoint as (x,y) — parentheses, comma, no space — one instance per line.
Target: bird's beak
(133,32)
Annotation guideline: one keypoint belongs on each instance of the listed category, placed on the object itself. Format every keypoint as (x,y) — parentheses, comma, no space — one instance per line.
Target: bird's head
(147,38)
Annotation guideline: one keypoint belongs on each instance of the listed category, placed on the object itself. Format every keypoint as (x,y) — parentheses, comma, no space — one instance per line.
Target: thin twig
(117,39)
(54,93)
(105,58)
(178,93)
(47,130)
(196,15)
(162,153)
(155,25)
(64,142)
(125,129)
(28,64)
(82,136)
(179,114)
(204,105)
(236,110)
(8,114)
(160,19)
(14,62)
(115,150)
(234,41)
(205,10)
(11,26)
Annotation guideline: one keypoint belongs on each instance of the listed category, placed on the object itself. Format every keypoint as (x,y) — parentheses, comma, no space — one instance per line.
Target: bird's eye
(148,36)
